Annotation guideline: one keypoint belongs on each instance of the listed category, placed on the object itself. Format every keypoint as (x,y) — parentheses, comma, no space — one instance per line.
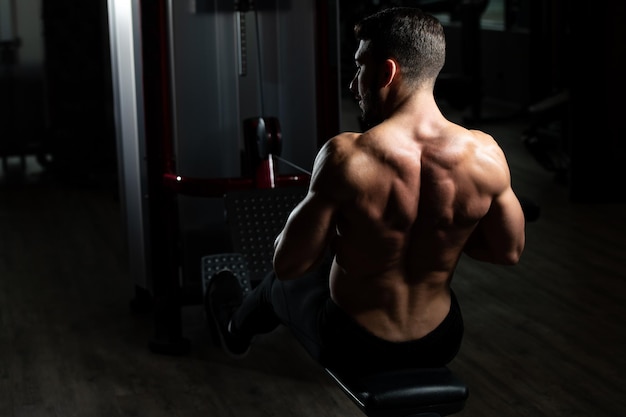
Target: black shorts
(348,347)
(331,336)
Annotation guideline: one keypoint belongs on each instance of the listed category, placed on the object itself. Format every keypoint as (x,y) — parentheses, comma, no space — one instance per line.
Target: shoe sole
(215,330)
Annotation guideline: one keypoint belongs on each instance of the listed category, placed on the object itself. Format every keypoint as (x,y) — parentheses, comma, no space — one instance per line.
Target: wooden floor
(544,338)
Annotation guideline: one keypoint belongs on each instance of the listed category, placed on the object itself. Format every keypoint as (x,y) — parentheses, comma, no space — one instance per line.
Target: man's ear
(390,71)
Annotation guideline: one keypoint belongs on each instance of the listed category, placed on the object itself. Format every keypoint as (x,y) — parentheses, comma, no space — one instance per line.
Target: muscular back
(407,205)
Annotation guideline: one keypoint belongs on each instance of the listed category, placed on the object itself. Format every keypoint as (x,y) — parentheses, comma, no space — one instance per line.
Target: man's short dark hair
(413,38)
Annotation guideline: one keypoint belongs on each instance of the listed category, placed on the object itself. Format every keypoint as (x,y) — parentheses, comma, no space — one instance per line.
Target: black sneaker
(225,295)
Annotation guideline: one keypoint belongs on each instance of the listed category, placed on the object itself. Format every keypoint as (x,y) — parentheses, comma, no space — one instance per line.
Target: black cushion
(408,392)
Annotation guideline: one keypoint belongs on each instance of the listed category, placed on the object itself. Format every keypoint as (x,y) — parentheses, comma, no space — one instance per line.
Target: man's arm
(499,237)
(305,238)
(310,227)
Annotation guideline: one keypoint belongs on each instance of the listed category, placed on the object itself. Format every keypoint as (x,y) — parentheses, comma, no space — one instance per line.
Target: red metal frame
(217,187)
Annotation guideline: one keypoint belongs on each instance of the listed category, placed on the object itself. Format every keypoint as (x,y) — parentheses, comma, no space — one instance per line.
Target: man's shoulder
(342,141)
(453,133)
(488,163)
(481,137)
(463,143)
(339,149)
(467,155)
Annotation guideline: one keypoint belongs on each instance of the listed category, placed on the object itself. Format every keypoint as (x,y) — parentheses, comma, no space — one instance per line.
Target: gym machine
(185,98)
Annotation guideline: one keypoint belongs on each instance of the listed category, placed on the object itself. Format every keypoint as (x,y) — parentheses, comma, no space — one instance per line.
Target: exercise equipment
(166,183)
(262,139)
(255,217)
(546,139)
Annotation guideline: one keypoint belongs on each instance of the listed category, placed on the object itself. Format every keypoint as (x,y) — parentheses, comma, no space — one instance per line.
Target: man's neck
(416,109)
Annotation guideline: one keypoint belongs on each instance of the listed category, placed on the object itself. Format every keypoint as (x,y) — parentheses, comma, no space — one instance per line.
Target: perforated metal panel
(255,218)
(235,262)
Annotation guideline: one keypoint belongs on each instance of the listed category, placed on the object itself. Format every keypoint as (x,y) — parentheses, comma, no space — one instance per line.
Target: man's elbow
(513,256)
(511,259)
(499,256)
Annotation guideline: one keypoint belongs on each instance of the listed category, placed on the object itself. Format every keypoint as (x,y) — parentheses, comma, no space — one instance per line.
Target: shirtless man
(363,266)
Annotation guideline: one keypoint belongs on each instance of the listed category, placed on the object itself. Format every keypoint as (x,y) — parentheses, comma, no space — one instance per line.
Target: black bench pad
(409,392)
